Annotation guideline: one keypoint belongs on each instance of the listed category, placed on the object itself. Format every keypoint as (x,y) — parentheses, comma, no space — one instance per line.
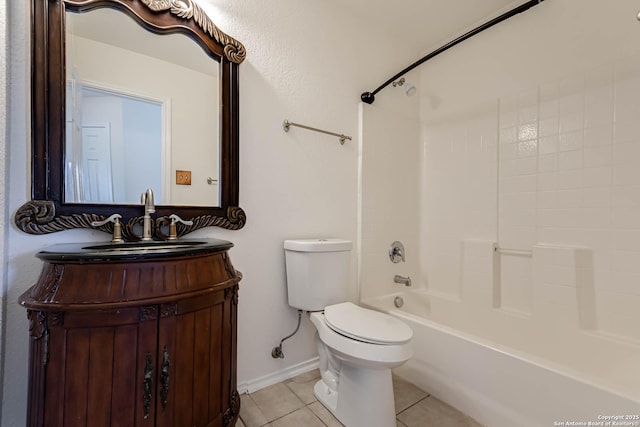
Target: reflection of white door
(97,183)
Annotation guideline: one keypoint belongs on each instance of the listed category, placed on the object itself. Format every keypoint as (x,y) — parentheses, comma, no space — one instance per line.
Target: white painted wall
(4,133)
(307,62)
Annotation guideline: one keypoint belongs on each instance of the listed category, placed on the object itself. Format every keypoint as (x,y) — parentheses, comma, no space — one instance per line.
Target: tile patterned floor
(292,404)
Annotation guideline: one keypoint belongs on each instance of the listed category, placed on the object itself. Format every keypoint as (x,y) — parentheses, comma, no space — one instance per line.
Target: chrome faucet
(403,280)
(149,207)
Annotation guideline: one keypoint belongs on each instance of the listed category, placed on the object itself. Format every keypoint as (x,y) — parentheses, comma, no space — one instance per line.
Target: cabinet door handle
(164,377)
(148,385)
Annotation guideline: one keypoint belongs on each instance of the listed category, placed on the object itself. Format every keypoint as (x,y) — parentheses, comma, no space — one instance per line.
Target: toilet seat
(366,325)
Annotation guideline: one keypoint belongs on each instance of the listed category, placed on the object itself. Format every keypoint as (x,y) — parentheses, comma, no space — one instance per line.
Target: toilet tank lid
(318,245)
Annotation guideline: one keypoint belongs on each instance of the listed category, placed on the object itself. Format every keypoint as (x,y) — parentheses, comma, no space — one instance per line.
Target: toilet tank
(317,272)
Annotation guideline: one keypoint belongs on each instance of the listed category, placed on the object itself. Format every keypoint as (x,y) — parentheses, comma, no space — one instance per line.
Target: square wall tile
(508,135)
(626,153)
(570,180)
(570,160)
(626,196)
(618,304)
(549,144)
(598,136)
(626,261)
(570,141)
(626,174)
(625,131)
(619,325)
(601,176)
(598,157)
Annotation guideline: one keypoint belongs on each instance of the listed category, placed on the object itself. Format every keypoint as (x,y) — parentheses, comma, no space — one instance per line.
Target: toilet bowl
(361,336)
(357,347)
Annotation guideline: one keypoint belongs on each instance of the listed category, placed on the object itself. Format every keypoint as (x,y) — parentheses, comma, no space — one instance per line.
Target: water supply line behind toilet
(277,350)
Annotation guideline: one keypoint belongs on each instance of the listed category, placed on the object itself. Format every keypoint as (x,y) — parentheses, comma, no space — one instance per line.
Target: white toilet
(357,347)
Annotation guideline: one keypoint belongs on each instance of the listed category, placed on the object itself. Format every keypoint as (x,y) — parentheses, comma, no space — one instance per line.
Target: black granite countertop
(131,251)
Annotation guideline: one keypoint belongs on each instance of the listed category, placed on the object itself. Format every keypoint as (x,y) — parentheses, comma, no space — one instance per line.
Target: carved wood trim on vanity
(172,320)
(128,283)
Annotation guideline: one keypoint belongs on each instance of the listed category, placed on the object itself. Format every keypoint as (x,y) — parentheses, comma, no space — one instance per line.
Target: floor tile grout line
(288,413)
(316,415)
(284,415)
(306,405)
(413,404)
(299,390)
(286,383)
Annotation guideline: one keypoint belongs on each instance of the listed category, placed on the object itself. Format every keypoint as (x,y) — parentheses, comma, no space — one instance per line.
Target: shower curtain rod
(369,97)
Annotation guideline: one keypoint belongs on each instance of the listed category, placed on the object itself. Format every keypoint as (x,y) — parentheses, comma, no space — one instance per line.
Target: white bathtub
(511,383)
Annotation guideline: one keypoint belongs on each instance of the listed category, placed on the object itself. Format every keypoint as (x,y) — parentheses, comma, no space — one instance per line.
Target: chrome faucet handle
(396,252)
(117,227)
(175,219)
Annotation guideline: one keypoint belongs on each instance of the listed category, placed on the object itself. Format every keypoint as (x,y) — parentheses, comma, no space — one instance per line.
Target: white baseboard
(278,376)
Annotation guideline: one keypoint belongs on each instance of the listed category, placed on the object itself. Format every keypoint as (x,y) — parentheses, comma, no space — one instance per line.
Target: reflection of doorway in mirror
(96,181)
(120,156)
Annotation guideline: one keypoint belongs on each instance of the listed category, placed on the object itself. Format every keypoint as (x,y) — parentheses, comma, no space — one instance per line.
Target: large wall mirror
(129,95)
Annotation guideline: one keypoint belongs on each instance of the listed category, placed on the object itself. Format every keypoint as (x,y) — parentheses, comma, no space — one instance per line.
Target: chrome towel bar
(287,124)
(514,252)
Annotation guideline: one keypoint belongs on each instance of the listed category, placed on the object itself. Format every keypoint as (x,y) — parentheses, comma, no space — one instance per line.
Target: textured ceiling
(421,25)
(426,24)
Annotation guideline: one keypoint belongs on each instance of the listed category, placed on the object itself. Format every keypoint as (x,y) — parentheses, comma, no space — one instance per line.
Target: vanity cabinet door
(167,365)
(93,367)
(195,343)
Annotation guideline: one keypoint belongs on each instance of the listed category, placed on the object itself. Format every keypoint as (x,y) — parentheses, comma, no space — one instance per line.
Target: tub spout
(402,280)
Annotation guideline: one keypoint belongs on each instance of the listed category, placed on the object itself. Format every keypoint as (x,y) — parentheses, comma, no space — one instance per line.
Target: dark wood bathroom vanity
(140,334)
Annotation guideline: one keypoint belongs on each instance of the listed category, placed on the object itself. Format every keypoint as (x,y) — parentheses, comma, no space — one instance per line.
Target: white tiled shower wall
(459,196)
(556,165)
(389,197)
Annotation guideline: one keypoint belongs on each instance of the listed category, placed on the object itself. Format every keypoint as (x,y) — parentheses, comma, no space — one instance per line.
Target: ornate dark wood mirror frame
(47,212)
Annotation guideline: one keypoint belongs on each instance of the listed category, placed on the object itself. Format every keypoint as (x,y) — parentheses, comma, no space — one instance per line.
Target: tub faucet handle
(396,252)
